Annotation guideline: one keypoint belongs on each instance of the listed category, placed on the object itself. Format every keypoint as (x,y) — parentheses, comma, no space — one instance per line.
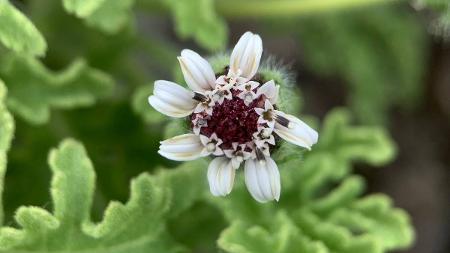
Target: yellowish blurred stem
(280,8)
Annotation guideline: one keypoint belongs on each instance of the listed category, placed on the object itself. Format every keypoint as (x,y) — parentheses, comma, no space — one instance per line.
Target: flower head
(233,117)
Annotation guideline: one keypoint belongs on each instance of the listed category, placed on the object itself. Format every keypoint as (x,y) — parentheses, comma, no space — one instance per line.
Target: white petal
(270,90)
(246,55)
(171,99)
(184,147)
(197,72)
(262,179)
(298,132)
(221,176)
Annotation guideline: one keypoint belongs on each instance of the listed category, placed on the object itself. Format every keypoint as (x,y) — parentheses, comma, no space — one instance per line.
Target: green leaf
(137,226)
(282,237)
(197,19)
(141,106)
(372,51)
(108,15)
(82,8)
(340,144)
(112,15)
(33,89)
(18,33)
(6,135)
(374,214)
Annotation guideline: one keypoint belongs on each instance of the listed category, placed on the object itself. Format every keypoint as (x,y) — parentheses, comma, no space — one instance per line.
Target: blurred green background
(87,70)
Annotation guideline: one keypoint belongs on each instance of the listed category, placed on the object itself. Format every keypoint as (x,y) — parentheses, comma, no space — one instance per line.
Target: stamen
(200,97)
(259,154)
(283,121)
(201,122)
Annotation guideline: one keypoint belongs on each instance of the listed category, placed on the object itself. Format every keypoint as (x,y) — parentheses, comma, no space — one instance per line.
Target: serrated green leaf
(340,143)
(33,89)
(198,20)
(18,33)
(137,226)
(6,135)
(374,214)
(283,237)
(107,15)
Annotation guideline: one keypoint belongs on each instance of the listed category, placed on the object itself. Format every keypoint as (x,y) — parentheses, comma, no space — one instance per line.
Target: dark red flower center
(232,121)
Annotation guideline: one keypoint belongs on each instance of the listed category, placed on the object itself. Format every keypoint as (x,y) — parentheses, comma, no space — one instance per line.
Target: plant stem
(283,8)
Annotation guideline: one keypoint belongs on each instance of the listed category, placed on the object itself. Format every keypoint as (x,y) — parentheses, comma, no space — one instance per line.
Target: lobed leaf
(137,226)
(197,19)
(18,33)
(34,89)
(107,15)
(6,134)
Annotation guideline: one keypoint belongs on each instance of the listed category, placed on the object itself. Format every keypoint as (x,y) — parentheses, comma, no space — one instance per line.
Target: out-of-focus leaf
(142,107)
(282,236)
(137,226)
(441,24)
(372,50)
(107,15)
(112,15)
(318,215)
(197,19)
(18,33)
(82,8)
(33,89)
(6,135)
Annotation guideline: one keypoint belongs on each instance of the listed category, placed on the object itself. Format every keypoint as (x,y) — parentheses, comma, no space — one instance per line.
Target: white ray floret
(263,179)
(297,131)
(244,61)
(221,176)
(184,147)
(172,99)
(197,72)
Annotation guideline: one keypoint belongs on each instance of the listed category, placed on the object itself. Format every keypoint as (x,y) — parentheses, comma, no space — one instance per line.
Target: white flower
(233,132)
(263,179)
(244,61)
(221,176)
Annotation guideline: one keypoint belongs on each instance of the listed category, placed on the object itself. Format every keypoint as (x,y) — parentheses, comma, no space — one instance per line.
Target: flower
(234,118)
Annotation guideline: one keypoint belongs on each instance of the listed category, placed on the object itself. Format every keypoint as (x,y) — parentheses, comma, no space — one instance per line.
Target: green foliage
(18,33)
(317,217)
(141,106)
(33,89)
(441,25)
(6,135)
(372,51)
(198,20)
(107,15)
(137,226)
